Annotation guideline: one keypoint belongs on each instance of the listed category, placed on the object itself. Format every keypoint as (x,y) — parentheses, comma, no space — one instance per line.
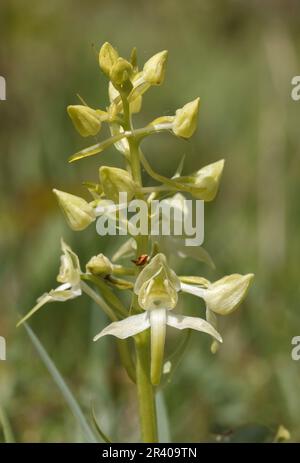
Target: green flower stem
(123,347)
(107,297)
(171,183)
(146,395)
(156,189)
(120,270)
(126,358)
(98,300)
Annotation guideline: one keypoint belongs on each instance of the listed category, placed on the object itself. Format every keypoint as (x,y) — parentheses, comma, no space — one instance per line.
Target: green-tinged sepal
(155,68)
(225,295)
(69,271)
(78,212)
(99,265)
(157,285)
(115,181)
(108,56)
(87,121)
(204,183)
(186,118)
(69,276)
(120,71)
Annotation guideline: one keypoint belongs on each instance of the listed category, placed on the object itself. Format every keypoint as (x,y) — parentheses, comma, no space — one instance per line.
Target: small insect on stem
(2,88)
(141,260)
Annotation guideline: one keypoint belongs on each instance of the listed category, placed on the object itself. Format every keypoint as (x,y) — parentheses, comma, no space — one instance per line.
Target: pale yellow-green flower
(108,56)
(69,276)
(183,124)
(204,183)
(99,265)
(115,181)
(155,68)
(157,287)
(78,212)
(186,119)
(87,121)
(222,297)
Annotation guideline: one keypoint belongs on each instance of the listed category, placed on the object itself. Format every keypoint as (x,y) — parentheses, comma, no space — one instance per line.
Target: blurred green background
(240,57)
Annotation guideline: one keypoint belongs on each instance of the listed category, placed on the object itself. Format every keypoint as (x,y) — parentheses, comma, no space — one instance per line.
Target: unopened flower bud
(120,71)
(99,265)
(155,68)
(115,181)
(78,212)
(86,120)
(185,122)
(225,295)
(204,183)
(108,56)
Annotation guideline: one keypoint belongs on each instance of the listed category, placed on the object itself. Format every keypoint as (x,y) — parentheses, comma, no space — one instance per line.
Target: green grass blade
(164,435)
(99,430)
(62,386)
(7,431)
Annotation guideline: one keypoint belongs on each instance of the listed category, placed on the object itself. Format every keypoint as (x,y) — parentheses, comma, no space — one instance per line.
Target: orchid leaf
(62,386)
(98,148)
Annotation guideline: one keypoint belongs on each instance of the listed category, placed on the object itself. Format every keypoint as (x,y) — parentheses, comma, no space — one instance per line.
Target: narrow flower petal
(62,293)
(158,319)
(182,322)
(128,327)
(42,301)
(191,289)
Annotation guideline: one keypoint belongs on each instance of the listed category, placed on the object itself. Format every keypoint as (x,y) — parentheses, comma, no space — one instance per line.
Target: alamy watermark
(2,88)
(174,216)
(295,93)
(2,348)
(295,354)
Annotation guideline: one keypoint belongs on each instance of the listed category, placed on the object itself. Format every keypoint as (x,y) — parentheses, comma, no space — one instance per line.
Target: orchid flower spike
(69,276)
(77,211)
(157,287)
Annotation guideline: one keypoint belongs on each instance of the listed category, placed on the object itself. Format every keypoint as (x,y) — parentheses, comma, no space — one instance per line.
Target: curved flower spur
(154,287)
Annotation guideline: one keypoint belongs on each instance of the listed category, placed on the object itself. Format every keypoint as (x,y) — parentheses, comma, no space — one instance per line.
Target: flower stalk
(145,390)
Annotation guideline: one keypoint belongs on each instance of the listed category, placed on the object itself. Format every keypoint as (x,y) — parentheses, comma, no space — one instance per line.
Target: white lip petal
(158,318)
(182,322)
(195,290)
(127,327)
